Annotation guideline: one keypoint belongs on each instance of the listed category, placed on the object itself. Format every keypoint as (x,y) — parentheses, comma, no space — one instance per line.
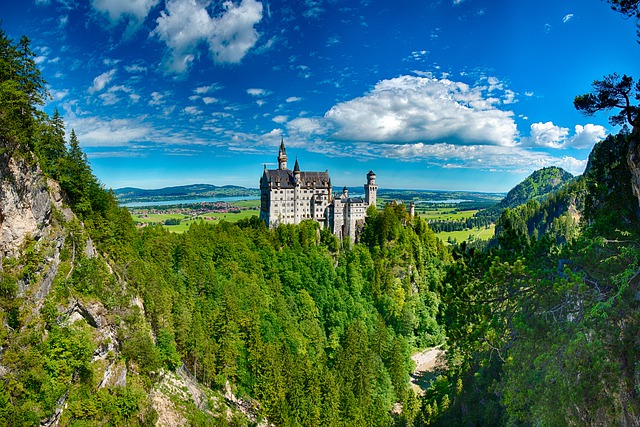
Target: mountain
(130,194)
(536,186)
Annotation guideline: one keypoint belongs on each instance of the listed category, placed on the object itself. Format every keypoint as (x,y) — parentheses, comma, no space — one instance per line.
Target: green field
(445,214)
(188,220)
(459,236)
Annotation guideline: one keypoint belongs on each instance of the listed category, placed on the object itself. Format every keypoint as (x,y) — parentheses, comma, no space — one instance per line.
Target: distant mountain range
(193,191)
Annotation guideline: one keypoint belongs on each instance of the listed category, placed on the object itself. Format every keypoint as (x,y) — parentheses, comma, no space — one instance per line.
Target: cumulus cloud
(567,18)
(133,11)
(549,135)
(185,24)
(293,99)
(280,119)
(101,81)
(419,109)
(209,100)
(586,136)
(546,135)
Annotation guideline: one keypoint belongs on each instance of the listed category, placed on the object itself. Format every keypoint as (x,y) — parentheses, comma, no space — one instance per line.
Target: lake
(188,201)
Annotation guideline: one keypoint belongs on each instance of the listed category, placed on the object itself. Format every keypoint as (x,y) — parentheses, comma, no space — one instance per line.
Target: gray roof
(286,179)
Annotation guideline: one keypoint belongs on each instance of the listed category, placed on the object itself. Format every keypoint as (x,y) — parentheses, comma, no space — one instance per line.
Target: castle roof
(286,179)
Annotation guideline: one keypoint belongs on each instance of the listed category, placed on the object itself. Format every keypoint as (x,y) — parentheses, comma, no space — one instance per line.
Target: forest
(540,327)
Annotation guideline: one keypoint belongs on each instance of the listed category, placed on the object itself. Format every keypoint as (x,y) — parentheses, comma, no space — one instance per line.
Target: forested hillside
(536,186)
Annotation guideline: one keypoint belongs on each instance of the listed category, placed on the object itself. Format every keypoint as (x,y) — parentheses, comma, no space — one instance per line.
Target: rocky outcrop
(633,160)
(27,200)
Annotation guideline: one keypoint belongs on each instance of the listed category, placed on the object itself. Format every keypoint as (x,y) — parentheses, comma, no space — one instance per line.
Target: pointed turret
(282,156)
(296,167)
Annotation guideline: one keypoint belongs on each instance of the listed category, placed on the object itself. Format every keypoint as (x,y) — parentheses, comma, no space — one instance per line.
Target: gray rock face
(633,159)
(26,200)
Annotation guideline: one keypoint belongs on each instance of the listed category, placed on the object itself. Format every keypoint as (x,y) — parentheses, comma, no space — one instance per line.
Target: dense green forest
(540,328)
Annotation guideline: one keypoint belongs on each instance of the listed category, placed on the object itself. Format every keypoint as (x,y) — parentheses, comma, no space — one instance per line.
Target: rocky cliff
(27,201)
(633,160)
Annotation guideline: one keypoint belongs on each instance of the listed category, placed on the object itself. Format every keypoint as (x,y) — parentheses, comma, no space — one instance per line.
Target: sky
(440,95)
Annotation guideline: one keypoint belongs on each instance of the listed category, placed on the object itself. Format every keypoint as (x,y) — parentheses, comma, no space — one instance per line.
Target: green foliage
(536,186)
(543,328)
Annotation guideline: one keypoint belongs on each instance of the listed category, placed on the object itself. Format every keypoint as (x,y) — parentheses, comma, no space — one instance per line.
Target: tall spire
(282,156)
(296,167)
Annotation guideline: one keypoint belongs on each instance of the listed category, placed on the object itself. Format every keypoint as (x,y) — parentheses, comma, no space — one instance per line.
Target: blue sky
(450,94)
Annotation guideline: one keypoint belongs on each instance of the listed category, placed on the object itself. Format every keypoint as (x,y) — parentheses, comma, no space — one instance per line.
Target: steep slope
(535,187)
(74,341)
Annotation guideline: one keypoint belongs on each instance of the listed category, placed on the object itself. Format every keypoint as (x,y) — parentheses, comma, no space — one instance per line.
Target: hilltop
(536,186)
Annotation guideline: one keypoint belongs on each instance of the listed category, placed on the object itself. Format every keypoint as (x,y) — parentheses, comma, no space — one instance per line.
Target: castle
(291,196)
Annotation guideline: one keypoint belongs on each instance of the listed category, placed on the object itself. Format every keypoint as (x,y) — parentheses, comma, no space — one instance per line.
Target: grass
(448,214)
(186,220)
(479,233)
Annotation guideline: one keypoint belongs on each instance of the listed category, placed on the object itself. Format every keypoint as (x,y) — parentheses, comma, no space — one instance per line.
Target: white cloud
(258,92)
(120,88)
(586,136)
(109,98)
(333,40)
(185,24)
(306,126)
(133,11)
(209,100)
(551,136)
(567,18)
(96,132)
(280,119)
(206,89)
(101,81)
(59,94)
(157,98)
(293,99)
(457,2)
(194,111)
(134,68)
(546,135)
(412,109)
(313,9)
(484,157)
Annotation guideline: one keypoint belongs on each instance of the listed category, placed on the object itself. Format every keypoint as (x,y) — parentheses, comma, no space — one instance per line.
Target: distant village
(207,211)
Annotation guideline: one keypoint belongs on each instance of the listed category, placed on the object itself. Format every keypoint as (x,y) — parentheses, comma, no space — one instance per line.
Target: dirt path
(426,363)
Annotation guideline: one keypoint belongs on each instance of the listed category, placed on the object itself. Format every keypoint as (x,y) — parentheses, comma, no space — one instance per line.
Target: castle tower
(412,209)
(282,156)
(297,209)
(371,189)
(345,193)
